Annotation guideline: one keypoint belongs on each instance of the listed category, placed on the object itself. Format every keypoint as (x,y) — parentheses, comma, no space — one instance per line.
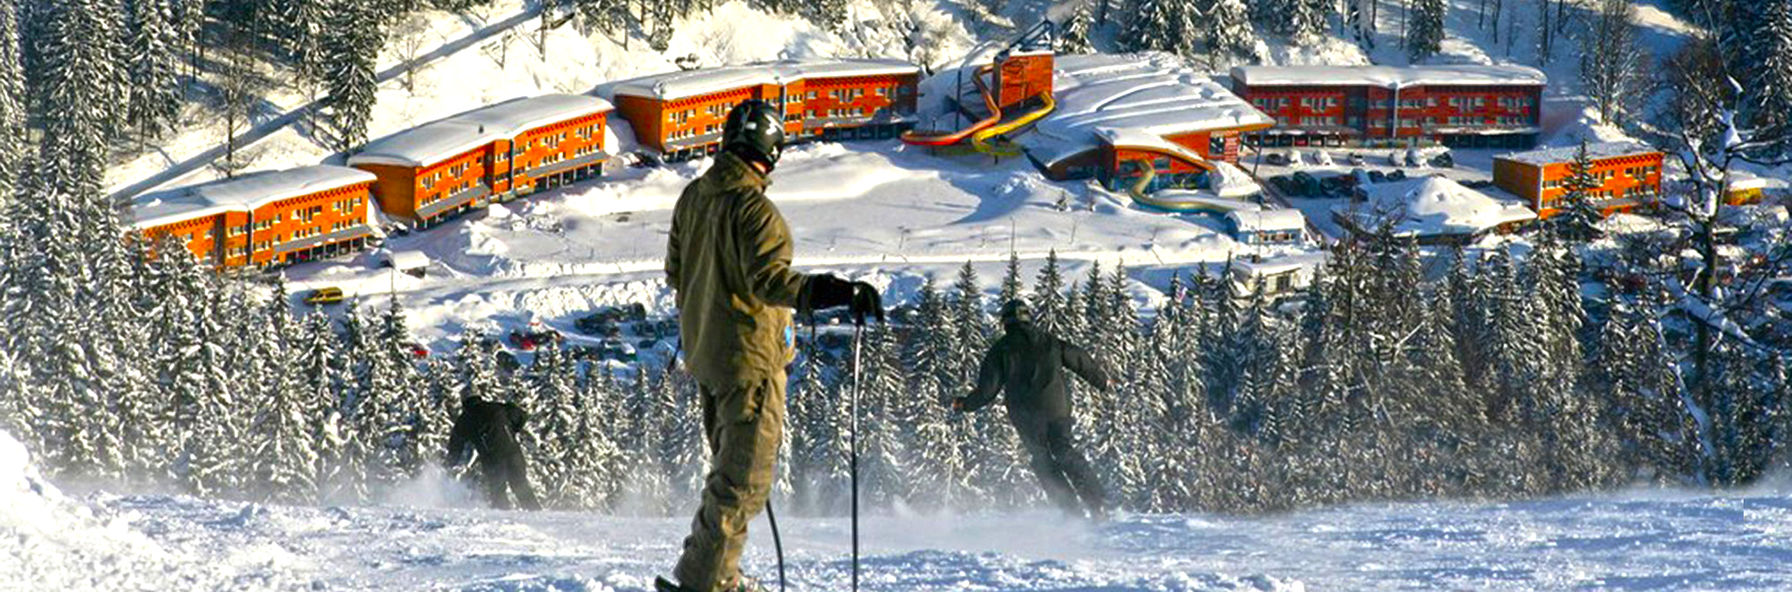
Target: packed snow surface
(1595,151)
(1625,541)
(1148,93)
(1433,205)
(436,141)
(683,84)
(243,193)
(1390,76)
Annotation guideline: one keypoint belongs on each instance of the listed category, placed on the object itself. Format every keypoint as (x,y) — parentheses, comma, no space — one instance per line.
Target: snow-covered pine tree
(884,471)
(1011,284)
(1073,36)
(316,355)
(155,86)
(1577,217)
(1048,294)
(395,386)
(12,100)
(77,84)
(598,472)
(284,446)
(938,433)
(609,16)
(1770,69)
(1226,33)
(553,425)
(352,40)
(1153,25)
(302,36)
(1425,36)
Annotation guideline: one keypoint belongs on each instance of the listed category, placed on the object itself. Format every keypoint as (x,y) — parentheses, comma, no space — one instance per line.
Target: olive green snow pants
(744,426)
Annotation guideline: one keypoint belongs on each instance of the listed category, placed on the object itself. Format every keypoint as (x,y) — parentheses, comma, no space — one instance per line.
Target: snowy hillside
(1634,540)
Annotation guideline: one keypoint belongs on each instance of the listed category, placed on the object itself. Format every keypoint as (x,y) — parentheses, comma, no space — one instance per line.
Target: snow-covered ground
(877,209)
(429,537)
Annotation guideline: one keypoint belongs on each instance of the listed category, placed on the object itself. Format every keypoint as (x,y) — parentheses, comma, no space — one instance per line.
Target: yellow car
(322,296)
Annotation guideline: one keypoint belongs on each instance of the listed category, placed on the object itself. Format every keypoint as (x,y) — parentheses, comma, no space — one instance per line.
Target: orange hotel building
(1629,175)
(1468,105)
(263,219)
(443,168)
(681,114)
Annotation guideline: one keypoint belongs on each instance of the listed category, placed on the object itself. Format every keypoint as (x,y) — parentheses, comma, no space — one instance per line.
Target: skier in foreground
(1028,363)
(490,429)
(728,262)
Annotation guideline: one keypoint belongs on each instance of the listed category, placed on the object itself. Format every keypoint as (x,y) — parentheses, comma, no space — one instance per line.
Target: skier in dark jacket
(1029,363)
(490,429)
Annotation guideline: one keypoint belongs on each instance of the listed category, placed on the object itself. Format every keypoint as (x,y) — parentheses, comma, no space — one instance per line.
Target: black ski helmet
(1016,311)
(755,131)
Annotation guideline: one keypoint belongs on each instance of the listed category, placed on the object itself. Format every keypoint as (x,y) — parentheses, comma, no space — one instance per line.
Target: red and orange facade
(440,169)
(1462,105)
(263,219)
(1628,176)
(681,114)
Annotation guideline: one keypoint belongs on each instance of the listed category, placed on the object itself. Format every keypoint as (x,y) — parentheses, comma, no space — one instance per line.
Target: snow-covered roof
(690,83)
(1390,76)
(407,260)
(1431,206)
(1267,220)
(1304,262)
(1148,93)
(438,140)
(243,193)
(1597,151)
(1135,138)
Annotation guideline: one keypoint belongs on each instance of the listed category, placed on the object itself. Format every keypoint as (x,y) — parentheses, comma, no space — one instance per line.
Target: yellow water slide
(1155,200)
(980,140)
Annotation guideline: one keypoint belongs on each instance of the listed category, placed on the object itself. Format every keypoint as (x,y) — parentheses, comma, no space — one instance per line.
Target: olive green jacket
(728,262)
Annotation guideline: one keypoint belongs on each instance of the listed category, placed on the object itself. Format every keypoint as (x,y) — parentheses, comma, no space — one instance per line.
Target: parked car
(1275,158)
(1356,159)
(1396,175)
(1307,185)
(1443,160)
(529,340)
(322,296)
(1413,158)
(650,329)
(1337,185)
(1284,184)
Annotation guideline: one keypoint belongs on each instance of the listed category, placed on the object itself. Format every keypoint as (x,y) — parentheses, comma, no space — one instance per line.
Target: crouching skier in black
(491,429)
(1028,363)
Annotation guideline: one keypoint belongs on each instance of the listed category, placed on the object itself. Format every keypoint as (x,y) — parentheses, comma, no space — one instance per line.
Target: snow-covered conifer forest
(1587,356)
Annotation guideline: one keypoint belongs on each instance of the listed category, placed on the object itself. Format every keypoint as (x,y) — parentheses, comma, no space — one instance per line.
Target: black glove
(829,291)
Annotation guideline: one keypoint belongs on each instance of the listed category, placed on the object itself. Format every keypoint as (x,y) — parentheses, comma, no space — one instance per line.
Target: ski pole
(853,451)
(777,541)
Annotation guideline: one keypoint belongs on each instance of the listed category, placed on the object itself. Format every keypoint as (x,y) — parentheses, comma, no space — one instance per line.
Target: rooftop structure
(1149,93)
(243,193)
(439,140)
(1429,207)
(1563,154)
(690,83)
(1390,76)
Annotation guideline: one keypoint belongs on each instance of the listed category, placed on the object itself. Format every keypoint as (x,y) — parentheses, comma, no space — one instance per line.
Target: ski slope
(430,535)
(1628,541)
